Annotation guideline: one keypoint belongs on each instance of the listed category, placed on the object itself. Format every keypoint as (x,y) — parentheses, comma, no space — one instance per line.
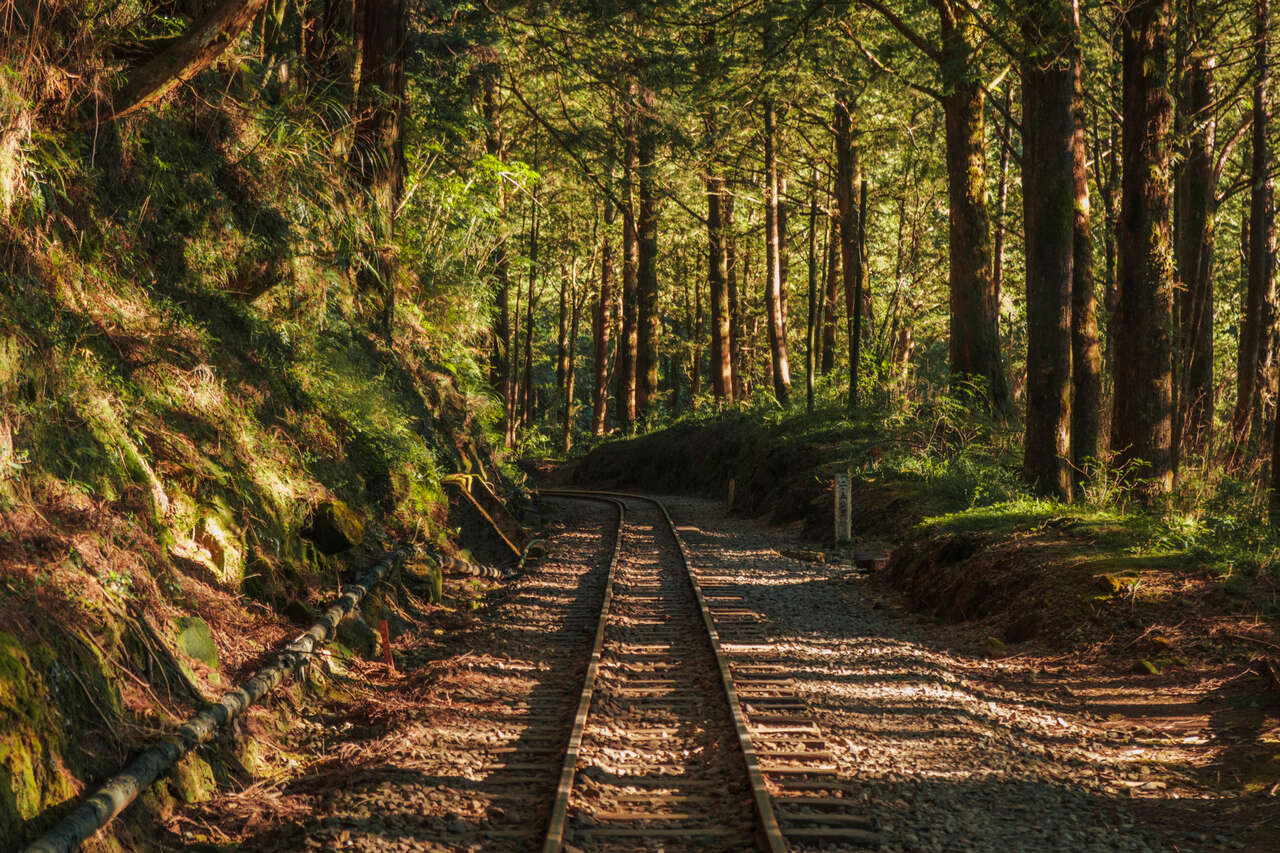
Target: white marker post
(843,509)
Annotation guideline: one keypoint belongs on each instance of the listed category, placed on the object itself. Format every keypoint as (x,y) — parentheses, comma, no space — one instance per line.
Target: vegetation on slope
(192,373)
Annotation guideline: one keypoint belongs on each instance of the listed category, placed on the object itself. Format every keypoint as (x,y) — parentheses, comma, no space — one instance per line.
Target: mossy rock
(31,739)
(193,780)
(430,575)
(217,535)
(355,634)
(195,640)
(334,527)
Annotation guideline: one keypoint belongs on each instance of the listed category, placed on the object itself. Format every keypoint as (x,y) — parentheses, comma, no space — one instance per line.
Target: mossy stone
(30,739)
(195,640)
(355,634)
(193,780)
(334,527)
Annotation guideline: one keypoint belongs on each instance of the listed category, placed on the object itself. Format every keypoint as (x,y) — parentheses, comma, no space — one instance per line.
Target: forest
(292,288)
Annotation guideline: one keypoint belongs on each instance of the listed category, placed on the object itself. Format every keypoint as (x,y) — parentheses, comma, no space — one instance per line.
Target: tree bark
(566,434)
(718,276)
(379,144)
(1048,196)
(601,324)
(773,273)
(1086,353)
(648,319)
(1002,209)
(858,304)
(735,307)
(526,387)
(848,180)
(1253,352)
(975,314)
(811,324)
(1142,412)
(831,300)
(193,52)
(628,341)
(1197,205)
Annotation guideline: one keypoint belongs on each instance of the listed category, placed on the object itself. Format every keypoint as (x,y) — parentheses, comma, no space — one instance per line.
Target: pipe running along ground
(123,788)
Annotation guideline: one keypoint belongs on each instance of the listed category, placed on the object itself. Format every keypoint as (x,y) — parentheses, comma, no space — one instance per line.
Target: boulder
(333,527)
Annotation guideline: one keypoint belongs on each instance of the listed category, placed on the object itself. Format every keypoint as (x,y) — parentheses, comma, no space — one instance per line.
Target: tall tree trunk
(975,315)
(1048,204)
(566,426)
(695,357)
(203,42)
(1195,237)
(649,321)
(831,300)
(718,276)
(562,330)
(379,149)
(1142,412)
(601,323)
(628,341)
(811,324)
(735,306)
(526,387)
(848,180)
(861,315)
(773,272)
(1002,208)
(1253,354)
(1086,354)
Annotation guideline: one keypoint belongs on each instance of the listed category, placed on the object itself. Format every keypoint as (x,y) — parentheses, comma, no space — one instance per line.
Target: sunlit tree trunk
(975,316)
(773,265)
(1048,196)
(203,42)
(831,294)
(1253,352)
(531,301)
(718,276)
(601,324)
(648,320)
(566,433)
(628,340)
(811,304)
(1195,242)
(1086,353)
(735,304)
(1142,412)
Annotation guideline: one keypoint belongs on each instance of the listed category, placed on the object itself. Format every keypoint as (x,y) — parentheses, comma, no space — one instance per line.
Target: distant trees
(1095,314)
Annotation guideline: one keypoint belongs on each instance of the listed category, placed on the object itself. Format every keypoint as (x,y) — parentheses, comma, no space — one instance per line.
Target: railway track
(689,732)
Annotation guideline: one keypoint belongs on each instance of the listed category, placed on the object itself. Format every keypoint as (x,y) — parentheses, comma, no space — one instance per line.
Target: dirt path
(950,751)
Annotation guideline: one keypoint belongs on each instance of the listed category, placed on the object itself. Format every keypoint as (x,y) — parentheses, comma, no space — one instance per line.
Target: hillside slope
(192,391)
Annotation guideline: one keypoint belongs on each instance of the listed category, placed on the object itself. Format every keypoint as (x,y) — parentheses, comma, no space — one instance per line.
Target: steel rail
(564,788)
(770,831)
